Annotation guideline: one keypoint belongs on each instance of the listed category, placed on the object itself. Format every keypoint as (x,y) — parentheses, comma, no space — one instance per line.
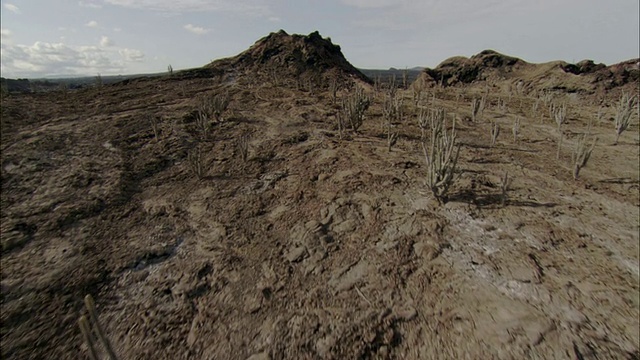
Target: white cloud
(91,24)
(196,29)
(117,29)
(5,36)
(49,59)
(372,3)
(274,19)
(431,15)
(89,4)
(12,8)
(247,7)
(105,41)
(131,55)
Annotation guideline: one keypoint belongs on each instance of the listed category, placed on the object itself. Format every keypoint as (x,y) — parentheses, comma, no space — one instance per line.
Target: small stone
(260,356)
(347,226)
(296,254)
(324,346)
(383,351)
(407,314)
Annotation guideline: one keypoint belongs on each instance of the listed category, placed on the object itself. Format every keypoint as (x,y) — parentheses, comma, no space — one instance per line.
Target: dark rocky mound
(479,67)
(583,67)
(621,74)
(15,85)
(584,77)
(289,57)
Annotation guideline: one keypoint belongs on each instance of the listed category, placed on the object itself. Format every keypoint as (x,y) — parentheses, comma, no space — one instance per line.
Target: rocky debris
(284,58)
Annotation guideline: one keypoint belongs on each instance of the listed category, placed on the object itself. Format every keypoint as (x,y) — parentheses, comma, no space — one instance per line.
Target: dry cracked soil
(315,247)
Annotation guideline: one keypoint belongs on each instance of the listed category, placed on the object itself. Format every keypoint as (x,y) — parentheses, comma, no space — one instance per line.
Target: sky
(54,38)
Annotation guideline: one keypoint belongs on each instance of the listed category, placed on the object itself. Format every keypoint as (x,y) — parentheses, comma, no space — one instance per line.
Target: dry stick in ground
(197,163)
(340,122)
(88,338)
(392,111)
(423,123)
(243,147)
(334,86)
(417,93)
(534,108)
(476,108)
(388,112)
(393,86)
(153,120)
(392,138)
(589,125)
(600,115)
(362,296)
(560,115)
(581,154)
(504,187)
(502,106)
(377,84)
(85,328)
(495,131)
(515,129)
(623,114)
(405,79)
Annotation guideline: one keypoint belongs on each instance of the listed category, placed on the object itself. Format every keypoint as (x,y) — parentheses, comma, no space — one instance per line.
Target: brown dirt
(315,247)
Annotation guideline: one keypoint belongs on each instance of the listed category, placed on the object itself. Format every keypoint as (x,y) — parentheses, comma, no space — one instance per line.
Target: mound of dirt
(482,66)
(585,77)
(290,58)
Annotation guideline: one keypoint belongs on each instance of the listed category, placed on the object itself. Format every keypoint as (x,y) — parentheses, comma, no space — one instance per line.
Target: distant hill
(492,67)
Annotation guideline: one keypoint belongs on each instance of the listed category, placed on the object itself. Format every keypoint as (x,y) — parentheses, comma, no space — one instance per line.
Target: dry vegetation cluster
(437,139)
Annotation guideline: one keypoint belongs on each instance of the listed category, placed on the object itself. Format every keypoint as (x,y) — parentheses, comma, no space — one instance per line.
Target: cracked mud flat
(316,248)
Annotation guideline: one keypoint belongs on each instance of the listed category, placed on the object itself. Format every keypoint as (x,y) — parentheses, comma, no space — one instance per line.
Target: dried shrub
(441,155)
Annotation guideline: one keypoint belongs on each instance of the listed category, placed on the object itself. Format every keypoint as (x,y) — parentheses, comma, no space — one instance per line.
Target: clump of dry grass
(581,154)
(623,114)
(353,109)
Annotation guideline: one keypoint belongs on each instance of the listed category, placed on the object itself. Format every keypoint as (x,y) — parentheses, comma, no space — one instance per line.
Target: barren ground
(315,247)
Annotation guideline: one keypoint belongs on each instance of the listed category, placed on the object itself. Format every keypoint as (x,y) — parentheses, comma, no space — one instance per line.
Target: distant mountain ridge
(296,57)
(491,66)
